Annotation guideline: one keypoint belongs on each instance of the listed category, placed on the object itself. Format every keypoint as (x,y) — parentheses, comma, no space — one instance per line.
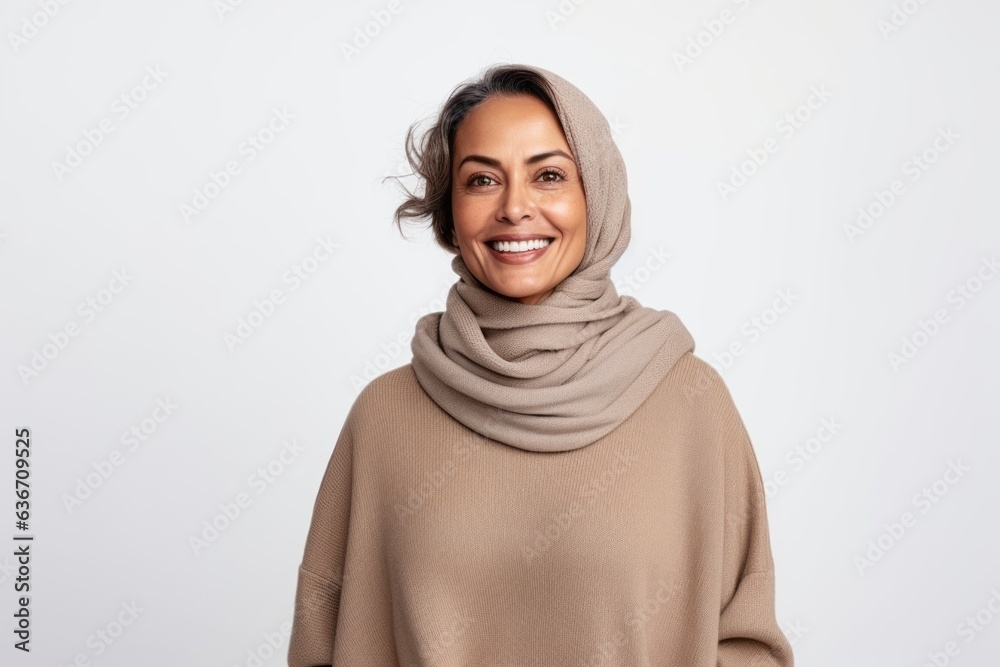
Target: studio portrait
(557,334)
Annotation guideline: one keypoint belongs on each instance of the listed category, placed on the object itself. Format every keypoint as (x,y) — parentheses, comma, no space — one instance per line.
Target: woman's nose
(517,202)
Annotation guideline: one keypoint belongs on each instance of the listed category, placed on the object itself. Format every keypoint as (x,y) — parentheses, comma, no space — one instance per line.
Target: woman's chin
(522,293)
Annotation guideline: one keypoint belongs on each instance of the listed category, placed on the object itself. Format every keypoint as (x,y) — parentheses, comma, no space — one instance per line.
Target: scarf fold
(560,374)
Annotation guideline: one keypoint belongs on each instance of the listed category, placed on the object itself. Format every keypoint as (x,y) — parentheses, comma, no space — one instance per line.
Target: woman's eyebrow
(531,160)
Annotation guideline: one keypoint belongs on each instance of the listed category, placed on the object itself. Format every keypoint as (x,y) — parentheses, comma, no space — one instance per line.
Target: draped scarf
(560,374)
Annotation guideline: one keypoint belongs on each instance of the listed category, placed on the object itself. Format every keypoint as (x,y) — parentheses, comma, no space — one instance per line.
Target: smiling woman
(555,479)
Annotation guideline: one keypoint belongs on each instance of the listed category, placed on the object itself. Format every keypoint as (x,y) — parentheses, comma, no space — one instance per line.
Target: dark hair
(430,159)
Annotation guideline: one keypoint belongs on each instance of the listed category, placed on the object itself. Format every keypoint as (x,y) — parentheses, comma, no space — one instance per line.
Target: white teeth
(522,246)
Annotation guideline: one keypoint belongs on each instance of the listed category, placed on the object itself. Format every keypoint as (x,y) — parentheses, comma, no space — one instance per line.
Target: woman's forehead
(511,127)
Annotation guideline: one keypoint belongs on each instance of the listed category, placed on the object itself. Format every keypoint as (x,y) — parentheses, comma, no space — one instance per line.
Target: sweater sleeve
(748,630)
(321,573)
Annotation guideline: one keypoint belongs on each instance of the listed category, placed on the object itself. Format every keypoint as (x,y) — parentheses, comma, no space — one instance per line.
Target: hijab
(559,374)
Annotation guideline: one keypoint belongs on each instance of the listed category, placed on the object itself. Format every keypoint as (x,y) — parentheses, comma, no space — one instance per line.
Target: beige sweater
(432,545)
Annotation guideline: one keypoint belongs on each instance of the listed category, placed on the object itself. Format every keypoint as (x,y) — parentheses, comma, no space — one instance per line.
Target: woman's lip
(514,237)
(518,257)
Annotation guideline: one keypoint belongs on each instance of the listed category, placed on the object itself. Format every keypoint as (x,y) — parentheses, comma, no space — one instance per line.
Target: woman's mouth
(518,252)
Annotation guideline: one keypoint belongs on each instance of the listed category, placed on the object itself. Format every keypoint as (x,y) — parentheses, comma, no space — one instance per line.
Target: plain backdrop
(198,273)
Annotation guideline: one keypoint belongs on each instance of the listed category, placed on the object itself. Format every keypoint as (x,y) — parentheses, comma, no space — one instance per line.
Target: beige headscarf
(559,374)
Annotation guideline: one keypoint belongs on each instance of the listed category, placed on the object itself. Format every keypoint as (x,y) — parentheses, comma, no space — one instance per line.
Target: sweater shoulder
(388,395)
(699,381)
(704,393)
(392,383)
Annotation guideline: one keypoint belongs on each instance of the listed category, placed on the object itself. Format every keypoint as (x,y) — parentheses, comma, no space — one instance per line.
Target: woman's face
(514,179)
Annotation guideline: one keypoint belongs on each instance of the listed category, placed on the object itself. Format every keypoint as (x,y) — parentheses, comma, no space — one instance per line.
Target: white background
(892,82)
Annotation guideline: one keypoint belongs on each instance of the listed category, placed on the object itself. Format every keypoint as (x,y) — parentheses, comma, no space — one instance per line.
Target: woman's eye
(478,180)
(484,181)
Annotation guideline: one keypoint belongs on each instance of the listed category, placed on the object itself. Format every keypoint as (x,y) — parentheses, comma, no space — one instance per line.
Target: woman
(555,478)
